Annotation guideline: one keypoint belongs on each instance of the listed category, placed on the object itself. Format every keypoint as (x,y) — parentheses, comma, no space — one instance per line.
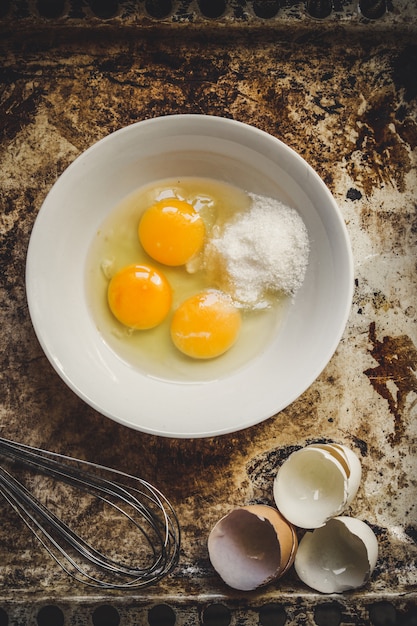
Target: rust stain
(395,230)
(18,104)
(397,358)
(383,132)
(404,73)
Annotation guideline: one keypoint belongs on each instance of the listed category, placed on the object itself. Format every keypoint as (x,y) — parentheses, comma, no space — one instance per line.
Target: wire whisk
(148,527)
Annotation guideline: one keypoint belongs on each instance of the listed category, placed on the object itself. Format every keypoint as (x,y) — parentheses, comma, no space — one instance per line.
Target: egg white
(116,244)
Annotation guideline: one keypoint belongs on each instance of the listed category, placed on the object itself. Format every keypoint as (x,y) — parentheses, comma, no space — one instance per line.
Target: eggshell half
(316,483)
(355,469)
(251,546)
(351,463)
(339,556)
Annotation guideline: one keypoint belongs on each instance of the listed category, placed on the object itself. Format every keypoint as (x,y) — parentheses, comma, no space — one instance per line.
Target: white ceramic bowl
(185,145)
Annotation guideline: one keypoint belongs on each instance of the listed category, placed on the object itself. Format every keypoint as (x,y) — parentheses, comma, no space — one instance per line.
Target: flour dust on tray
(259,254)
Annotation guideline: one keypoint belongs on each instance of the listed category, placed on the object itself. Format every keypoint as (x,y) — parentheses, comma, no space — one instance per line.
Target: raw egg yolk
(205,325)
(139,296)
(171,231)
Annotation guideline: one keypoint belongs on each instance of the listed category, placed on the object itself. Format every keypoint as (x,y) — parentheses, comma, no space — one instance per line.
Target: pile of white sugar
(260,252)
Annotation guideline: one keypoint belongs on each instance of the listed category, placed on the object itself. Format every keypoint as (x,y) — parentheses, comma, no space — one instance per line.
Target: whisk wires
(142,506)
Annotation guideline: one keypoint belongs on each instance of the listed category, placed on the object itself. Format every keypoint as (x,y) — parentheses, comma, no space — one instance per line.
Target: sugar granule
(259,252)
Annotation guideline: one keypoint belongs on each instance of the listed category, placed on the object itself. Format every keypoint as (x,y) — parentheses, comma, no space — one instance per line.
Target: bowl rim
(186,124)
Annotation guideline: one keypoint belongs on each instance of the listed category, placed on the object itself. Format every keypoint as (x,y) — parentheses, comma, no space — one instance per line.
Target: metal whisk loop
(145,508)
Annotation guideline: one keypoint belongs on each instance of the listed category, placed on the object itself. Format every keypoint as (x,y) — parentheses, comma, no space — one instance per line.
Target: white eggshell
(316,483)
(338,556)
(251,546)
(355,470)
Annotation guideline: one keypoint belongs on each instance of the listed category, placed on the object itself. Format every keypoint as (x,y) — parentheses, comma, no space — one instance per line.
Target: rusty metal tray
(337,82)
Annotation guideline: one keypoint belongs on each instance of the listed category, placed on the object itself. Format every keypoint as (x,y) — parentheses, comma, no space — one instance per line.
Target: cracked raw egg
(171,231)
(117,245)
(139,296)
(205,325)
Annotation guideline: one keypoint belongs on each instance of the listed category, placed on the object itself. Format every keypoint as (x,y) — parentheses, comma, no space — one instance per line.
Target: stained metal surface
(342,92)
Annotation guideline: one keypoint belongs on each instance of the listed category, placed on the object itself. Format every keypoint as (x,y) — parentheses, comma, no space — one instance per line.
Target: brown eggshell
(252,546)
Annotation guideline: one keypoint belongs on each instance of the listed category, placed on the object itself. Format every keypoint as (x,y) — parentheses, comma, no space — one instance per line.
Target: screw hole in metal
(319,9)
(373,9)
(105,615)
(50,615)
(51,9)
(266,9)
(383,614)
(216,615)
(272,615)
(158,8)
(328,614)
(212,8)
(410,618)
(4,9)
(161,615)
(104,9)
